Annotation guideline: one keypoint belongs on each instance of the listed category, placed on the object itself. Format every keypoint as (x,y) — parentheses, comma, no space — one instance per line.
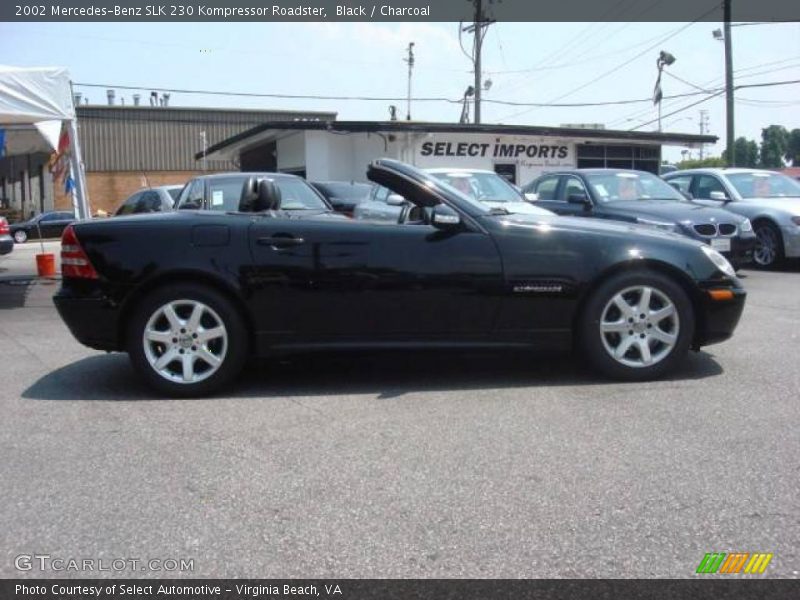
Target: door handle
(279,241)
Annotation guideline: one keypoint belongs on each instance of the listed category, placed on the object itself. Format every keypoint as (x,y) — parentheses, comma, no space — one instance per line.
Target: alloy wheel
(20,236)
(639,326)
(766,250)
(185,341)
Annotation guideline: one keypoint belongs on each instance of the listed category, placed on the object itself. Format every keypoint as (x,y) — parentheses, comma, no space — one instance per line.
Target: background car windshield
(764,185)
(484,187)
(296,194)
(355,192)
(616,186)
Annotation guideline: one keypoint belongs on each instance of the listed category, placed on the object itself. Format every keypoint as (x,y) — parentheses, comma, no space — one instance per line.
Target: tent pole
(81,199)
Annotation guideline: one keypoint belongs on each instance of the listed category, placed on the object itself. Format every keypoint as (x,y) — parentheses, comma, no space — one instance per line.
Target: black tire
(222,309)
(20,236)
(767,232)
(594,344)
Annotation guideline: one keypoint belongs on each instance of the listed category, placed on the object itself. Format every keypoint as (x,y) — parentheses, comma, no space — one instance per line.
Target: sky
(526,62)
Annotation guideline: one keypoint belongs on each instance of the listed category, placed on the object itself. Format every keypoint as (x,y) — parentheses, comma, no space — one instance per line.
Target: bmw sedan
(642,198)
(770,200)
(210,288)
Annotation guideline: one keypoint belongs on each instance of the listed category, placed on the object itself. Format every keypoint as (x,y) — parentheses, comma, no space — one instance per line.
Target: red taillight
(74,262)
(4,230)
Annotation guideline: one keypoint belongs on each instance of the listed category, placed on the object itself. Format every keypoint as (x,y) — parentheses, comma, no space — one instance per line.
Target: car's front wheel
(636,326)
(769,245)
(20,236)
(187,340)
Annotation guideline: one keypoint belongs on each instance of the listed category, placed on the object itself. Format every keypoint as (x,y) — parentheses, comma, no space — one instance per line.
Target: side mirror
(445,218)
(531,196)
(717,195)
(395,200)
(579,198)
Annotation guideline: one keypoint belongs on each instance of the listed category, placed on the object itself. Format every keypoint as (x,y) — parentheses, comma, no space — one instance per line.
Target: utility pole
(410,61)
(729,86)
(478,28)
(703,130)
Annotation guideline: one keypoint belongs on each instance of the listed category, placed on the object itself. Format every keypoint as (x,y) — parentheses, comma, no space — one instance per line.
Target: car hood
(524,208)
(789,204)
(671,211)
(597,226)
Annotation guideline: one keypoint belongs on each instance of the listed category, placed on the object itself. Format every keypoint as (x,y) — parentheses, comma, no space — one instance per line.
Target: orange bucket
(46,265)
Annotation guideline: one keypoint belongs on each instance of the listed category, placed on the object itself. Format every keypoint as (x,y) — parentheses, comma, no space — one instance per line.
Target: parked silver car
(770,200)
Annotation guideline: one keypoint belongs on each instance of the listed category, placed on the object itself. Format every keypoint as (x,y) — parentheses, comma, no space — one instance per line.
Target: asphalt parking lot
(403,465)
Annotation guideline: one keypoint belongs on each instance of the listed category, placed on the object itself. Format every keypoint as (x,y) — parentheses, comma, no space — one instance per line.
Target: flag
(2,142)
(658,94)
(69,184)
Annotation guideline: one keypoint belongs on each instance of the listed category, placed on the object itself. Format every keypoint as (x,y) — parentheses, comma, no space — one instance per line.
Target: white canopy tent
(34,105)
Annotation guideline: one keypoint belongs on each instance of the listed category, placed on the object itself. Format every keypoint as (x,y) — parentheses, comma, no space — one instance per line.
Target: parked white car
(770,200)
(489,188)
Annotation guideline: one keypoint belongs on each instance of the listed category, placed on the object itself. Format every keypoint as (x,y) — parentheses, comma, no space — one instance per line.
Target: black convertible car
(641,197)
(208,289)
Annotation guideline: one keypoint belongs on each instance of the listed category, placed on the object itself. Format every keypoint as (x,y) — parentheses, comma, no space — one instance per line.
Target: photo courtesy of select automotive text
(415,300)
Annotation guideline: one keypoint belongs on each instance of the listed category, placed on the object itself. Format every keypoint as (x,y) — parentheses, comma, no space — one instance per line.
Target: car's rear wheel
(769,245)
(636,326)
(20,236)
(187,340)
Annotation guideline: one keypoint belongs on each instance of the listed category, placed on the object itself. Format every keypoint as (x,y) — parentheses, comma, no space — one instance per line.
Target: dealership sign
(477,150)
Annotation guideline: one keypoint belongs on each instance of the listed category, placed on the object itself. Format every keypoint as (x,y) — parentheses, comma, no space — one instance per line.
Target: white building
(341,150)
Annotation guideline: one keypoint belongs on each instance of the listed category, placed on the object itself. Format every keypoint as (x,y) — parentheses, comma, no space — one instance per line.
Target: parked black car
(641,197)
(208,289)
(156,199)
(50,224)
(343,196)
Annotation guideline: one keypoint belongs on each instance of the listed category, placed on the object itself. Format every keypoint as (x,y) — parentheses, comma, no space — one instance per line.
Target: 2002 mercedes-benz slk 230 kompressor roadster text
(191,294)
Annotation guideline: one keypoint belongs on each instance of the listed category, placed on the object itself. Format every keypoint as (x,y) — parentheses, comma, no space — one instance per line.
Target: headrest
(259,195)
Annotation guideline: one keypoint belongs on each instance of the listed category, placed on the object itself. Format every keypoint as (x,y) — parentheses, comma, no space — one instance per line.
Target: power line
(615,69)
(744,86)
(713,83)
(377,98)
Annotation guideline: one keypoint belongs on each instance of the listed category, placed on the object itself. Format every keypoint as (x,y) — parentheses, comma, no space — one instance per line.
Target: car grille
(706,229)
(711,230)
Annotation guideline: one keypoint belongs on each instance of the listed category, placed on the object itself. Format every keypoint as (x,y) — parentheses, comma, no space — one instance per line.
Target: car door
(49,225)
(702,187)
(546,189)
(333,280)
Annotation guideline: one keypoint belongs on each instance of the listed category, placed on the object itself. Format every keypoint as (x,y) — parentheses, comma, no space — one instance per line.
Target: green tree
(793,153)
(696,163)
(746,153)
(774,145)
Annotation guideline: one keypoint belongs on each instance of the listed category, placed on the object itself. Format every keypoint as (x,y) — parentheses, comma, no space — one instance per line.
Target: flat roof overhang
(274,130)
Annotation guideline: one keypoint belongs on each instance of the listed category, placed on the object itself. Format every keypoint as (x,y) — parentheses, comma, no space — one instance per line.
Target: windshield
(483,187)
(355,192)
(764,185)
(614,186)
